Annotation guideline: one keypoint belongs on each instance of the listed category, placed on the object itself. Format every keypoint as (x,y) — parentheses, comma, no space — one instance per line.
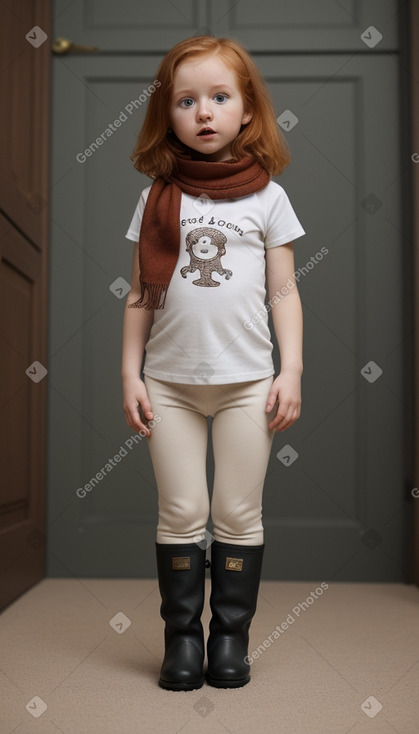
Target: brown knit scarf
(159,240)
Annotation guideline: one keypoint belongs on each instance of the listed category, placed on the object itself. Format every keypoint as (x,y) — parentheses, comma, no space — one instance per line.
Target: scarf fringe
(153,296)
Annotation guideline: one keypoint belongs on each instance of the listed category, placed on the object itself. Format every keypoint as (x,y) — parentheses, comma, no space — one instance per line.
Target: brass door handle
(65,46)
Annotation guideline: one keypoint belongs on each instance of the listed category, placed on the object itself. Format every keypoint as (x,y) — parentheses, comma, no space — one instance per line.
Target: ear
(247,116)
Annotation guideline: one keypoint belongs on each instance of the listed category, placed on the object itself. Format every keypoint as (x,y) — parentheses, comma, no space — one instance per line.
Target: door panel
(289,26)
(284,26)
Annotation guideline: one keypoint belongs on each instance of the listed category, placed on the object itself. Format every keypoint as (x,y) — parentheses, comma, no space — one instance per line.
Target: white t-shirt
(205,332)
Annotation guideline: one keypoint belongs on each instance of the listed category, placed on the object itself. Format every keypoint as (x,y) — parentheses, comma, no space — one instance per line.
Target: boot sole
(220,683)
(181,686)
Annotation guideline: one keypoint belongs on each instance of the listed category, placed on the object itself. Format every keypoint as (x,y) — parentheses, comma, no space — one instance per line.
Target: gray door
(334,504)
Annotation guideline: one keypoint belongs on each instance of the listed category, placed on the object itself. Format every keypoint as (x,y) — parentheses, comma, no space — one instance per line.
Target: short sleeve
(133,232)
(282,223)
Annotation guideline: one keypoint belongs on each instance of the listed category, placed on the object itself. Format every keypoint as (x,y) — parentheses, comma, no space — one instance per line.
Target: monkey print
(206,247)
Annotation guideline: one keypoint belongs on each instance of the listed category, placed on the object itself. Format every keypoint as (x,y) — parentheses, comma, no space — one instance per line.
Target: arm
(287,318)
(135,334)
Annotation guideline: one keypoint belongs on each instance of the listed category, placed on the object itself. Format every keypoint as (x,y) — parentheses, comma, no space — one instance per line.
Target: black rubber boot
(181,576)
(235,578)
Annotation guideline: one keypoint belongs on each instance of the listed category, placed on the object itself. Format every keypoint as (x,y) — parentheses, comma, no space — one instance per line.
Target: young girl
(207,231)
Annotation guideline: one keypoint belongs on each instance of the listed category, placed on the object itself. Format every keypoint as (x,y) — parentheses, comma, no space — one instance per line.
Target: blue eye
(189,99)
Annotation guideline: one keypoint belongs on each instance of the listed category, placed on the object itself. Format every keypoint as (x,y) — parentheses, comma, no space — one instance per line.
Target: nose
(203,110)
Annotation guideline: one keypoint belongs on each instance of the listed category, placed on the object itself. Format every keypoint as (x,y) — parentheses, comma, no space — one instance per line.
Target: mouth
(206,131)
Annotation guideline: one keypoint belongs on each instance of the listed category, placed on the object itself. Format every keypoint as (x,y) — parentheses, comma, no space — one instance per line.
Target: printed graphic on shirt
(206,246)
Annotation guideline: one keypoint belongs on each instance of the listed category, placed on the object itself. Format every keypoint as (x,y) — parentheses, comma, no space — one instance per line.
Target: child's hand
(135,393)
(286,389)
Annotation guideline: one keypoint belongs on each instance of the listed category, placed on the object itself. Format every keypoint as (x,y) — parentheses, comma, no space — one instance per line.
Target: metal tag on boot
(234,564)
(181,563)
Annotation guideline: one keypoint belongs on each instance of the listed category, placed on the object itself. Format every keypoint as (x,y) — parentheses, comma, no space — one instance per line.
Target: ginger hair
(156,148)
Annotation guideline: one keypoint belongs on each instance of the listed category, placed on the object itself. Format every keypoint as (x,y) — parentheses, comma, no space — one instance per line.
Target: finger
(136,422)
(288,421)
(272,398)
(285,426)
(143,428)
(133,419)
(146,408)
(282,417)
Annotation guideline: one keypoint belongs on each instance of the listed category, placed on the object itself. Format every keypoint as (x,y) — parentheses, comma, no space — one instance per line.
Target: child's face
(205,94)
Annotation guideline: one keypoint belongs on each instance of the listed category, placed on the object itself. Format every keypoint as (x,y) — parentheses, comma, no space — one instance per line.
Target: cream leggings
(242,444)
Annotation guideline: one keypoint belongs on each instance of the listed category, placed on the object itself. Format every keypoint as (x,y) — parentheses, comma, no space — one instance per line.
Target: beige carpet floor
(82,656)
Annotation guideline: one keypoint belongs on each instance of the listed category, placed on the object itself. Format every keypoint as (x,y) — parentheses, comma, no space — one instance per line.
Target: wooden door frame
(25,80)
(413,92)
